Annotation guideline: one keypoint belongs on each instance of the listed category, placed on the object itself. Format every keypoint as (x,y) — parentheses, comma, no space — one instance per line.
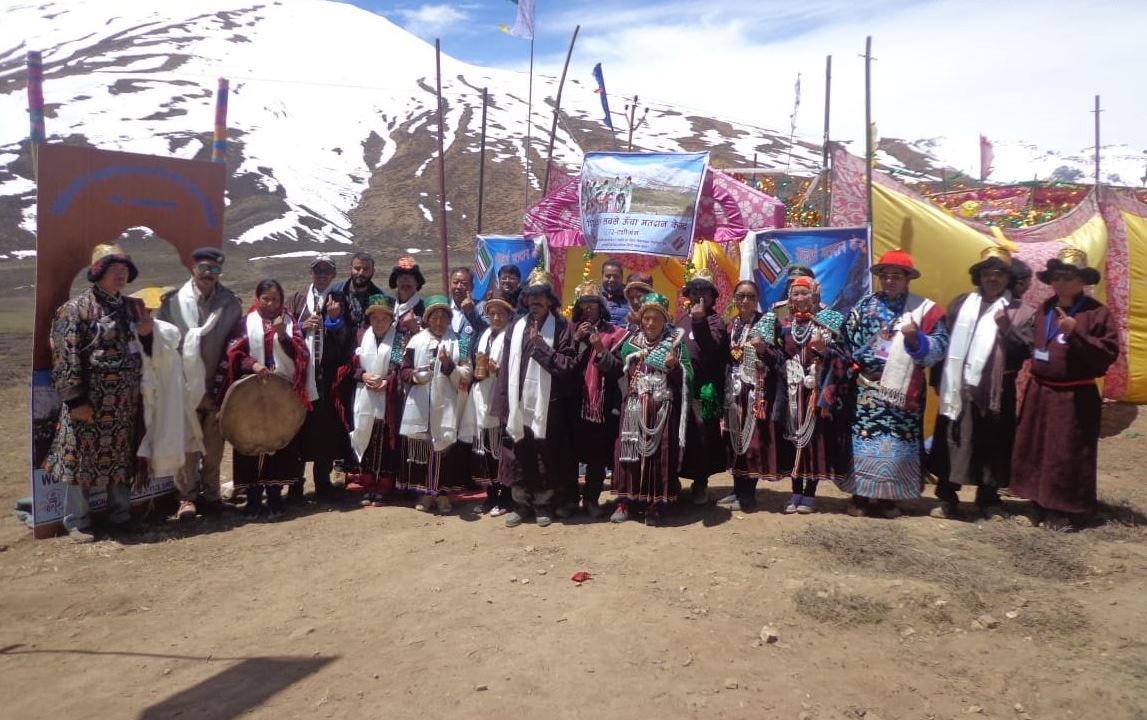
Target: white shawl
(194,373)
(971,344)
(168,421)
(284,365)
(898,368)
(433,411)
(370,405)
(477,415)
(529,400)
(405,307)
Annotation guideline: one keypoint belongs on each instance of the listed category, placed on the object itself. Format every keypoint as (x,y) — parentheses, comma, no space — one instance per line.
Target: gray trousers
(77,511)
(542,501)
(200,473)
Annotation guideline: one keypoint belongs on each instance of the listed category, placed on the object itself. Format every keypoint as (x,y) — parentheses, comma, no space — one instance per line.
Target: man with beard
(204,311)
(613,291)
(328,336)
(535,385)
(358,289)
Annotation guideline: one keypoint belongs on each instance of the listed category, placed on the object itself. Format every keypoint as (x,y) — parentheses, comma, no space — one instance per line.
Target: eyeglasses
(205,268)
(892,276)
(744,296)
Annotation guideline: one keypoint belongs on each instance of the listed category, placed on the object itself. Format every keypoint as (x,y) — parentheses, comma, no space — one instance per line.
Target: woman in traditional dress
(893,337)
(268,341)
(754,447)
(436,371)
(480,426)
(813,362)
(599,397)
(656,364)
(374,368)
(1057,441)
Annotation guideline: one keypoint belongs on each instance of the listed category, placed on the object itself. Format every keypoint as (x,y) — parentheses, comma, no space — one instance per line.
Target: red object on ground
(581,576)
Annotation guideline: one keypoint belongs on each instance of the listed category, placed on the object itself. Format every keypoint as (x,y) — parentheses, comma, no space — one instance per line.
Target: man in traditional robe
(205,312)
(329,337)
(990,337)
(707,340)
(894,336)
(98,340)
(1076,339)
(535,385)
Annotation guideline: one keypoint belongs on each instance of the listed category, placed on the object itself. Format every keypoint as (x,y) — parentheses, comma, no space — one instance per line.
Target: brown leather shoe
(186,511)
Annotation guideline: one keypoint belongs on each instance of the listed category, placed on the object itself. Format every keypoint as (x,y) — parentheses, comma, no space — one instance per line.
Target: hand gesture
(410,323)
(443,354)
(596,343)
(817,342)
(534,330)
(671,361)
(334,309)
(584,330)
(145,325)
(82,413)
(493,365)
(1066,322)
(697,311)
(279,325)
(910,329)
(312,323)
(468,304)
(1003,320)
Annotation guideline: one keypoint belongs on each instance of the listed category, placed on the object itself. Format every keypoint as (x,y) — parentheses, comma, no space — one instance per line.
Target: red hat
(897,259)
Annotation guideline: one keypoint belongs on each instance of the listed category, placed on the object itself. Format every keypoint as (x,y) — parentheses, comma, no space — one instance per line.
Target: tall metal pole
(529,126)
(557,111)
(1097,111)
(870,152)
(825,156)
(482,161)
(443,246)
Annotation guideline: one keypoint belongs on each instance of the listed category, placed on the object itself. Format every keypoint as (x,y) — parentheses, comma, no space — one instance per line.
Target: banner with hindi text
(838,257)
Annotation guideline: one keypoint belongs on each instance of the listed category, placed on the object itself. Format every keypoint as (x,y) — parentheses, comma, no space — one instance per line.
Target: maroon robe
(1057,442)
(707,341)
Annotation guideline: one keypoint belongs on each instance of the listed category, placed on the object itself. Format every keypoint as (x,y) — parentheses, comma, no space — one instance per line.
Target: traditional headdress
(655,301)
(589,292)
(1072,260)
(104,256)
(992,257)
(540,281)
(899,260)
(796,271)
(406,266)
(436,302)
(380,303)
(702,280)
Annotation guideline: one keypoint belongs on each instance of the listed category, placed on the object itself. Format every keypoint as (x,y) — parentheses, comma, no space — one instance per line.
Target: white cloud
(431,21)
(1020,70)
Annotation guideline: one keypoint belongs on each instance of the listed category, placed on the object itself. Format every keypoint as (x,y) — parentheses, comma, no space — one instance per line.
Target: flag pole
(219,142)
(793,123)
(442,231)
(1097,111)
(36,131)
(529,126)
(482,161)
(870,154)
(557,112)
(825,157)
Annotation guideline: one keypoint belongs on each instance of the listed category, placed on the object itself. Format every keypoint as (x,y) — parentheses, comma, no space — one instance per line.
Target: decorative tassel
(710,405)
(593,406)
(630,430)
(418,451)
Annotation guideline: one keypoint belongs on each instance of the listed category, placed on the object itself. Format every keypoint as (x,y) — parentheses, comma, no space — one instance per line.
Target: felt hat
(702,280)
(992,257)
(896,260)
(436,302)
(499,300)
(104,256)
(655,301)
(1073,260)
(406,266)
(380,303)
(635,284)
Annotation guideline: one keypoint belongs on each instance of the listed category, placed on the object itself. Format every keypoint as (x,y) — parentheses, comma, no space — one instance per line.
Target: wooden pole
(1097,111)
(443,246)
(632,114)
(36,131)
(482,161)
(529,126)
(557,111)
(870,151)
(825,157)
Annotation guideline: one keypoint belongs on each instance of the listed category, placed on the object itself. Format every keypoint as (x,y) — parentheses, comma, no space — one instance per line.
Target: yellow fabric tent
(1136,226)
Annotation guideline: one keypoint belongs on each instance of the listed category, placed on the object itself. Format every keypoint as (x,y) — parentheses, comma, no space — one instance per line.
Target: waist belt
(1063,383)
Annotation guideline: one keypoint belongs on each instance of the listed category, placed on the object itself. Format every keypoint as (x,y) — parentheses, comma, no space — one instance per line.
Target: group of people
(426,396)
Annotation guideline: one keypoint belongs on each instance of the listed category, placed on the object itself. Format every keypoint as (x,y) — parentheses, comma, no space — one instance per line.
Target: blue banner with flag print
(838,257)
(643,203)
(492,252)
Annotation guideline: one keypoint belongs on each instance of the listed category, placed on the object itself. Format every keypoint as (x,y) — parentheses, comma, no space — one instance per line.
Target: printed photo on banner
(643,203)
(838,257)
(492,252)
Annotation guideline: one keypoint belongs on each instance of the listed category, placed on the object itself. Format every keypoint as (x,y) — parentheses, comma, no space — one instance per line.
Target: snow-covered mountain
(331,118)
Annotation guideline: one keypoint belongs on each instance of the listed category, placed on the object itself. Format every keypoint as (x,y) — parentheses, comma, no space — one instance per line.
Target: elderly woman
(1057,441)
(654,413)
(754,447)
(894,336)
(268,341)
(436,370)
(812,361)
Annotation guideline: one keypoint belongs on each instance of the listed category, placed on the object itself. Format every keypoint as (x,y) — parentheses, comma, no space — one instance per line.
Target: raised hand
(1066,322)
(1003,320)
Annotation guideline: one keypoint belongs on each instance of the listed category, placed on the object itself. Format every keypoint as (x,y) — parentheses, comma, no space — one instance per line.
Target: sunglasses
(892,276)
(205,268)
(744,296)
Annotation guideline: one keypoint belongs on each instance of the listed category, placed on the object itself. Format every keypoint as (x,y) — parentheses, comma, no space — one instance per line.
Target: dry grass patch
(1035,553)
(840,608)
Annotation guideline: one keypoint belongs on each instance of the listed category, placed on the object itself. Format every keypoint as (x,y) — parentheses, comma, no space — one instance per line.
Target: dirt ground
(389,613)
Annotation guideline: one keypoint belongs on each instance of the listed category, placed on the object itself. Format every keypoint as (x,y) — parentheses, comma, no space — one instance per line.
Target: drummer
(268,341)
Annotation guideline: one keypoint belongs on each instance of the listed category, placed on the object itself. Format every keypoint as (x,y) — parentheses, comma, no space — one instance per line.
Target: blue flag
(601,91)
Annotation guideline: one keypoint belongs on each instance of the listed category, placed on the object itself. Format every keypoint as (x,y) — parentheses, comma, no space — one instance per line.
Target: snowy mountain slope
(331,118)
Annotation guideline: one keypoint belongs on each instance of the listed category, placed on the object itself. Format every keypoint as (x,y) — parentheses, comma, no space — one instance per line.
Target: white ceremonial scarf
(405,307)
(529,400)
(899,366)
(168,420)
(194,373)
(434,410)
(477,416)
(370,405)
(312,384)
(284,365)
(972,341)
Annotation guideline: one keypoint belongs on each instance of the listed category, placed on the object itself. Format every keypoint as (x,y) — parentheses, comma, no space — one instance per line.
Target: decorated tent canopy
(728,209)
(1110,227)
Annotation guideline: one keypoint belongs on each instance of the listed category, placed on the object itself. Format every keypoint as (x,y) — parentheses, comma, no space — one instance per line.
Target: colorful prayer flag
(604,98)
(523,23)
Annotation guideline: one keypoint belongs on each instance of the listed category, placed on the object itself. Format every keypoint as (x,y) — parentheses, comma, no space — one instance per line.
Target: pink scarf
(593,400)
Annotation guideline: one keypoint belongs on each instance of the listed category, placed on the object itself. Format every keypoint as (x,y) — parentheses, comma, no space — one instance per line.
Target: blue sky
(1016,70)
